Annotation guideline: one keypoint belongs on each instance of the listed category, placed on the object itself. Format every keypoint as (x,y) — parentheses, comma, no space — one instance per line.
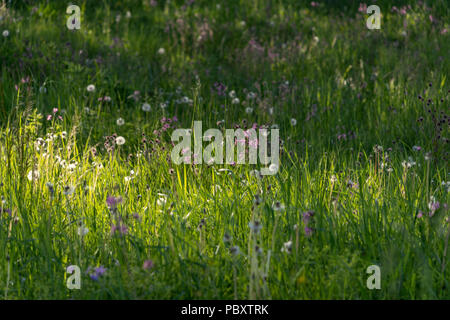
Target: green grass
(349,88)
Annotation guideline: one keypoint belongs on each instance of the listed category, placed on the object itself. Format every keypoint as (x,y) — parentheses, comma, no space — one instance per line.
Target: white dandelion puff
(120,122)
(82,231)
(120,140)
(146,107)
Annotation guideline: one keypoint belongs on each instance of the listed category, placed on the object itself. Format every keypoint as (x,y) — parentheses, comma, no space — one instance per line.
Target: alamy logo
(74,21)
(374,21)
(74,281)
(214,153)
(374,281)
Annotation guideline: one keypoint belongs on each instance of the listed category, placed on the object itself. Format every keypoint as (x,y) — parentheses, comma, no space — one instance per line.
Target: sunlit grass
(363,178)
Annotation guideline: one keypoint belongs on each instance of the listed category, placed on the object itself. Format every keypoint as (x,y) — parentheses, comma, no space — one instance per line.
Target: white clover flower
(63,163)
(120,122)
(248,110)
(161,51)
(72,166)
(90,88)
(97,165)
(287,247)
(232,94)
(235,101)
(146,107)
(5,33)
(128,14)
(33,175)
(162,200)
(293,122)
(120,140)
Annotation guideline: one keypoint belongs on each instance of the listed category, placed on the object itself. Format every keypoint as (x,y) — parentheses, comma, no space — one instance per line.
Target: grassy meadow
(86,176)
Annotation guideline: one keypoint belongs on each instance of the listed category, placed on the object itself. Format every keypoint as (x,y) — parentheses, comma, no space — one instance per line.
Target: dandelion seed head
(146,107)
(120,122)
(120,140)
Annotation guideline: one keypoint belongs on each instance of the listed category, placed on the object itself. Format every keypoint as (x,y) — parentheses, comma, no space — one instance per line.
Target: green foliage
(351,90)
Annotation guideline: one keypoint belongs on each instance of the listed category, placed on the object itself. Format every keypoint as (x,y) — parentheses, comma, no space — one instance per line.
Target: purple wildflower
(112,202)
(98,272)
(307,216)
(148,264)
(308,231)
(433,205)
(120,228)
